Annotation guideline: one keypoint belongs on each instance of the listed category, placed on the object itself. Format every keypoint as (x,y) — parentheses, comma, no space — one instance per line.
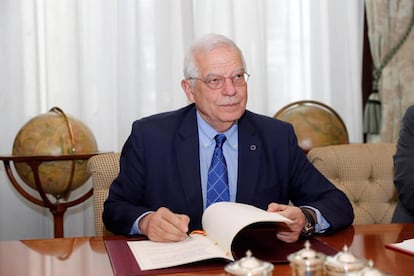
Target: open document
(221,222)
(406,246)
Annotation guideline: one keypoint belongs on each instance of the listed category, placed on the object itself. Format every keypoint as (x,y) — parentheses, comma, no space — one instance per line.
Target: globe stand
(57,208)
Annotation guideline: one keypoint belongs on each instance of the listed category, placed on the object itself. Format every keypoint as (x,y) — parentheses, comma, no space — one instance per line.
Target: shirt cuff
(321,223)
(135,228)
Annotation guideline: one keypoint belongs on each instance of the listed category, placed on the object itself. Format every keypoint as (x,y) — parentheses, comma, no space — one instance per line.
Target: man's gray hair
(206,44)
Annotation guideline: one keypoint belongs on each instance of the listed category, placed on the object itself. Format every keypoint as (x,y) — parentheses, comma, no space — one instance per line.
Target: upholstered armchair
(103,168)
(365,173)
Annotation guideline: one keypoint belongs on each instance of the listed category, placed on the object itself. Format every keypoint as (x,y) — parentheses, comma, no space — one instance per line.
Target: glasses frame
(246,78)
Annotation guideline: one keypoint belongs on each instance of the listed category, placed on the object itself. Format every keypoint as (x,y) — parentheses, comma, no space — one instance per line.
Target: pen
(199,232)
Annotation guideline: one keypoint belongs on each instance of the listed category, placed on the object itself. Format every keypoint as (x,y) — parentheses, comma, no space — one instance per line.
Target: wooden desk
(87,255)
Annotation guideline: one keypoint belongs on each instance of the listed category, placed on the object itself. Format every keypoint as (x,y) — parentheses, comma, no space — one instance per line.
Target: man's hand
(289,232)
(164,226)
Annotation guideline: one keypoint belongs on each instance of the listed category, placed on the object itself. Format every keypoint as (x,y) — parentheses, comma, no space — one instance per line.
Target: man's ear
(188,89)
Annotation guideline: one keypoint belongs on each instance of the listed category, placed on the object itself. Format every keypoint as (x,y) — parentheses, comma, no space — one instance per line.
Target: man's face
(222,107)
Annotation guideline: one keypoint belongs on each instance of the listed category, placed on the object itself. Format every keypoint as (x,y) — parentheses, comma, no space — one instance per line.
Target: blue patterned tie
(217,183)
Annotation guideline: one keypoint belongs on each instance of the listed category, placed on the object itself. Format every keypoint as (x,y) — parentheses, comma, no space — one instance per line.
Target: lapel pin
(252,147)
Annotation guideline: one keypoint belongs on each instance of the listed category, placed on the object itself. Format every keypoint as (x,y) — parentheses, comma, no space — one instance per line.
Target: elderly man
(166,165)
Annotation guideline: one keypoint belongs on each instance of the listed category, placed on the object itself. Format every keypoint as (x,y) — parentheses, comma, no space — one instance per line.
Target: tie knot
(220,139)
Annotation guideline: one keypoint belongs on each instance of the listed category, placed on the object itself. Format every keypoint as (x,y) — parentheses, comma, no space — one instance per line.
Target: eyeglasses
(217,82)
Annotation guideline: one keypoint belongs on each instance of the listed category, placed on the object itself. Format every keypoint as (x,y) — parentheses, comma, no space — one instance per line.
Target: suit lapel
(250,150)
(187,156)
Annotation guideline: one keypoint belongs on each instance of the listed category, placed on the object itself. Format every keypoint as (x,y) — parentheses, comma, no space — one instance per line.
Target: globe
(54,133)
(315,126)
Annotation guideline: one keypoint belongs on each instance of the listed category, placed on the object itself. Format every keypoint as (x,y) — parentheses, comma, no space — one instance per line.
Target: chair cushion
(364,172)
(103,168)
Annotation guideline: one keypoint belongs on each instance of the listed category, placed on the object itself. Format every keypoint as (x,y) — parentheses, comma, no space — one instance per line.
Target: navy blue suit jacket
(160,166)
(403,169)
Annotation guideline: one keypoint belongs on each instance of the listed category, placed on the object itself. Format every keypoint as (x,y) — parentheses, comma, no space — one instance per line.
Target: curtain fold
(109,63)
(392,46)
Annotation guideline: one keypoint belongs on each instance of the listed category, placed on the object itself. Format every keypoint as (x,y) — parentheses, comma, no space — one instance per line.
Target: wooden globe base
(57,208)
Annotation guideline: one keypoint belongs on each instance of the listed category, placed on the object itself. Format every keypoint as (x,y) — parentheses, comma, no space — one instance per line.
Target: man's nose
(229,87)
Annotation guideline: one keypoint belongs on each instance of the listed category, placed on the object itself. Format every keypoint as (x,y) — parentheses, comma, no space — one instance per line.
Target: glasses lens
(239,79)
(215,82)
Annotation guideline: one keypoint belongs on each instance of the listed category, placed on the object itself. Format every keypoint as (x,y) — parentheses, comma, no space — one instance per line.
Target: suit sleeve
(404,161)
(310,188)
(125,200)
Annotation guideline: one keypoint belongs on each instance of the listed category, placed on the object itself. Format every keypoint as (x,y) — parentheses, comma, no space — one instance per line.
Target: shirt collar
(207,133)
